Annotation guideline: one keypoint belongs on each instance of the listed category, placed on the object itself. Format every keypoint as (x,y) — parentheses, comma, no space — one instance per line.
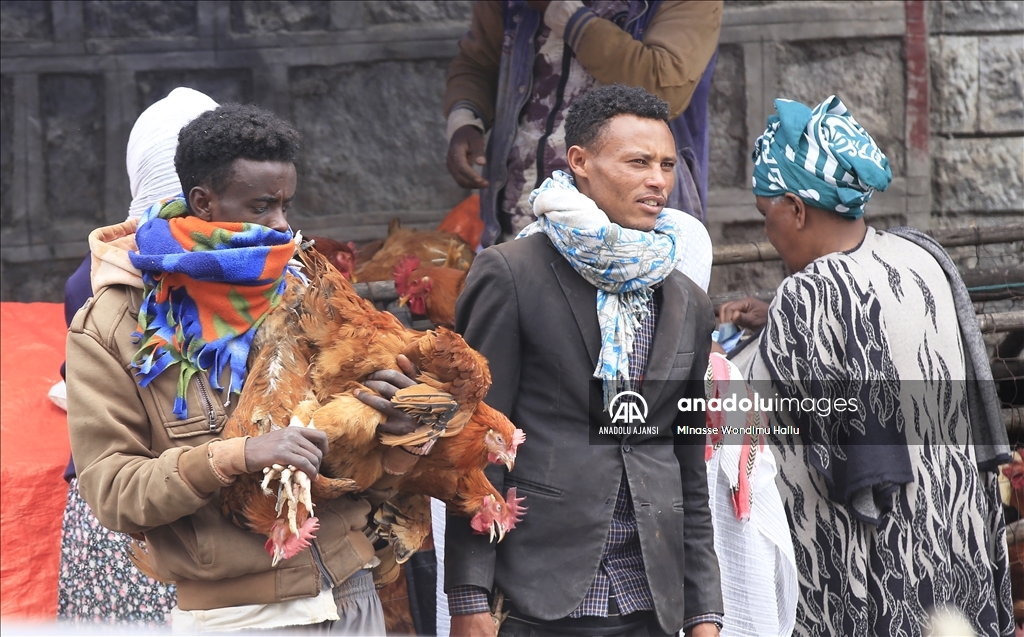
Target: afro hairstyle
(588,115)
(209,145)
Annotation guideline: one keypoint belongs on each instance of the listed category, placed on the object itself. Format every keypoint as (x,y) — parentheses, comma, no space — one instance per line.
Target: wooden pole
(1001,321)
(951,238)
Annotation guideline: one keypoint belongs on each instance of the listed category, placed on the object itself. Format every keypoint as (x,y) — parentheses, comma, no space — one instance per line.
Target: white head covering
(151,146)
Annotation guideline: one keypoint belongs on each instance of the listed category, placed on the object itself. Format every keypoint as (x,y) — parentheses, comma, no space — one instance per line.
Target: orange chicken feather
(464,220)
(453,472)
(429,290)
(341,255)
(431,246)
(310,357)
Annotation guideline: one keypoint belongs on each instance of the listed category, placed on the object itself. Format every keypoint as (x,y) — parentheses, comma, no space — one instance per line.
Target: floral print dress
(98,582)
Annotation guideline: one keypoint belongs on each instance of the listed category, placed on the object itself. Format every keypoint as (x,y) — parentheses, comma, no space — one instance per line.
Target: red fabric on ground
(34,451)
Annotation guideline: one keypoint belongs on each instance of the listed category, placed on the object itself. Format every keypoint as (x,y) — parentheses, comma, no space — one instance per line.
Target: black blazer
(534,317)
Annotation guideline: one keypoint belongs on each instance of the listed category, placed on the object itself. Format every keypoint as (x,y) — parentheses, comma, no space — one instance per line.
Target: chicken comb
(297,543)
(514,511)
(403,270)
(518,438)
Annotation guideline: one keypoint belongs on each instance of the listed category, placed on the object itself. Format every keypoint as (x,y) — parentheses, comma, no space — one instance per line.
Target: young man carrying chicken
(618,539)
(155,362)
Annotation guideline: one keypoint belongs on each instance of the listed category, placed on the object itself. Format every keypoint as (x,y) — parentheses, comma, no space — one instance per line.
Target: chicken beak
(493,524)
(277,557)
(501,532)
(510,463)
(402,300)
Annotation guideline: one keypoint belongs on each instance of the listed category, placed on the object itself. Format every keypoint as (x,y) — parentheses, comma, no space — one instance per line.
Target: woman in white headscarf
(98,582)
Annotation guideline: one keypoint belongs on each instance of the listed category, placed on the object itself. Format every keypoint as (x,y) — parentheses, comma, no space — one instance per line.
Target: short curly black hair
(210,144)
(587,115)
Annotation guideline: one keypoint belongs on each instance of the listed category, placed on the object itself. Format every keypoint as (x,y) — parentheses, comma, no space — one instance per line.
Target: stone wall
(977,119)
(363,82)
(967,169)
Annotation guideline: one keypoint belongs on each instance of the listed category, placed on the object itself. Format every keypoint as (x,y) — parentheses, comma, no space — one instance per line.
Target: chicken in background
(341,255)
(430,246)
(364,250)
(429,290)
(314,351)
(464,220)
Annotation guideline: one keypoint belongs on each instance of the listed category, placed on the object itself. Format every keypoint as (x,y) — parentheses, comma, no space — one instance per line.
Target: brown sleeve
(670,60)
(225,458)
(473,74)
(129,487)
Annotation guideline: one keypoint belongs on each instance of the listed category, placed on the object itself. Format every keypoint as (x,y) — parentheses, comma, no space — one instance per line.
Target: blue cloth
(208,287)
(622,263)
(823,156)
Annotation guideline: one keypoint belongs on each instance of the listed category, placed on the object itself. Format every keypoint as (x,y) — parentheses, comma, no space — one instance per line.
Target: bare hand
(296,446)
(748,313)
(540,6)
(475,625)
(465,151)
(706,629)
(386,383)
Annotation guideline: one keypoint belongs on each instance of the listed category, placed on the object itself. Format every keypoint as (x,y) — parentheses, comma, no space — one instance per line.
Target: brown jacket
(669,62)
(142,470)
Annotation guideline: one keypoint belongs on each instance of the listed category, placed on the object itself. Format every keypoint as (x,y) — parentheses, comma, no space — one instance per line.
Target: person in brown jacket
(521,66)
(155,361)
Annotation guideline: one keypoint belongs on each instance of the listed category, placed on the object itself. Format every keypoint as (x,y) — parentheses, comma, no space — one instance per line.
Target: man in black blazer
(618,537)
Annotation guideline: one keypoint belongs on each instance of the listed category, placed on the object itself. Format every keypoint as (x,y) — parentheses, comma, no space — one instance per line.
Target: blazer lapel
(667,335)
(582,298)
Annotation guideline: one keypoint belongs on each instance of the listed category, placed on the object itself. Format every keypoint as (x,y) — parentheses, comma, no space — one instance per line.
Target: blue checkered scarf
(623,264)
(823,156)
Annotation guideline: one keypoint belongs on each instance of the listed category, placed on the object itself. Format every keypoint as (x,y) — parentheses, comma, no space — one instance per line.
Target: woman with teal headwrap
(887,475)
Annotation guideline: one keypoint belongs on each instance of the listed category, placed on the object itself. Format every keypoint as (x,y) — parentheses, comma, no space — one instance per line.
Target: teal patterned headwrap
(823,156)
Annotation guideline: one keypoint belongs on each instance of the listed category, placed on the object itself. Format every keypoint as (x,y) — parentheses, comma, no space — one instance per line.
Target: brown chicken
(276,383)
(464,220)
(341,255)
(452,472)
(364,250)
(430,246)
(429,290)
(312,353)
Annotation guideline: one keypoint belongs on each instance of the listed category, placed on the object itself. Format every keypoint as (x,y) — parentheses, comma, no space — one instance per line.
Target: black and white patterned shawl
(824,342)
(990,441)
(827,339)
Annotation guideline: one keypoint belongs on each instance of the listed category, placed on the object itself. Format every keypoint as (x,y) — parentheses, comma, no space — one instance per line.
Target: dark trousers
(512,627)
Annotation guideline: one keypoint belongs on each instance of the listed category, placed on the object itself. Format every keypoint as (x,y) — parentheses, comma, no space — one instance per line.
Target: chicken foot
(294,487)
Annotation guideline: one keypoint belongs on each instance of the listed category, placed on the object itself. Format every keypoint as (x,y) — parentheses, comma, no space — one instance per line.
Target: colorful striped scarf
(207,288)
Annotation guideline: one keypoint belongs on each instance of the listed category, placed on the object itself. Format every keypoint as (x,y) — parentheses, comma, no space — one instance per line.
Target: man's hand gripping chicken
(317,353)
